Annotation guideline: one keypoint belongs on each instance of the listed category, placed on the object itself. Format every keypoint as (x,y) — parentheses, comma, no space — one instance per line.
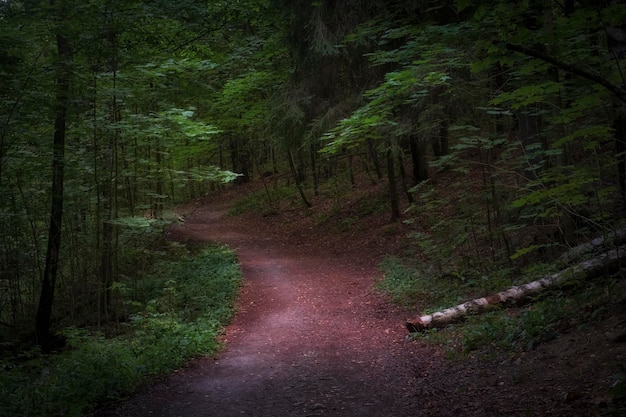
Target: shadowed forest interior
(490,135)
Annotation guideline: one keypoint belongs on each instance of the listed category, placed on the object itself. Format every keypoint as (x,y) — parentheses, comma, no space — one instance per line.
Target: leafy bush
(193,299)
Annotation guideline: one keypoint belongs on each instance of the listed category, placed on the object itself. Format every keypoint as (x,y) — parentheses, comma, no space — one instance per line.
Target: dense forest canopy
(112,112)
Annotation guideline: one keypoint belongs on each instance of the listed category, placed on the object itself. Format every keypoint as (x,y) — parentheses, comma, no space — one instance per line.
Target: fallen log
(609,240)
(604,263)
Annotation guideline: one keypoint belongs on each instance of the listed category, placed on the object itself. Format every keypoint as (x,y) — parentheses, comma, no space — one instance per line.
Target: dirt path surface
(311,338)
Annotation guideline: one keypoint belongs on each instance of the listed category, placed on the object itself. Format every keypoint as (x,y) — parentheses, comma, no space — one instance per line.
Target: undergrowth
(424,285)
(185,303)
(506,329)
(267,201)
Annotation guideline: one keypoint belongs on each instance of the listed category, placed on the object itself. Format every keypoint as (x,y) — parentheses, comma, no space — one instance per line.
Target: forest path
(309,338)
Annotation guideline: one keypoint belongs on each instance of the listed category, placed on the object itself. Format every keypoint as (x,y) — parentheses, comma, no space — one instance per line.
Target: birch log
(605,263)
(611,239)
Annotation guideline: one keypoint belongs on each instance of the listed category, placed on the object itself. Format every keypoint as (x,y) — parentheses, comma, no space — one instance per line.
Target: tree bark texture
(605,263)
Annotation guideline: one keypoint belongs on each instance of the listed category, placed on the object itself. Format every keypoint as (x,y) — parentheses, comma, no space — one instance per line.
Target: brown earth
(311,337)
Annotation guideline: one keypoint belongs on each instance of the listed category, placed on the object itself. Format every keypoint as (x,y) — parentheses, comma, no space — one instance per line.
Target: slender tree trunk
(234,156)
(314,170)
(393,185)
(617,47)
(530,124)
(620,149)
(440,144)
(375,159)
(46,299)
(403,178)
(109,189)
(420,168)
(296,178)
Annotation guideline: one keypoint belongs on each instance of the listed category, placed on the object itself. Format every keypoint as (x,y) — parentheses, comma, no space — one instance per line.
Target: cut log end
(415,326)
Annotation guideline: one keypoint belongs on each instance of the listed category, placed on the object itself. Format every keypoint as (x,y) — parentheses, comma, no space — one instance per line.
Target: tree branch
(617,90)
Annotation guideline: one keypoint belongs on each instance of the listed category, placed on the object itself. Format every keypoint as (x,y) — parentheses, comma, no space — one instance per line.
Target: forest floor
(312,338)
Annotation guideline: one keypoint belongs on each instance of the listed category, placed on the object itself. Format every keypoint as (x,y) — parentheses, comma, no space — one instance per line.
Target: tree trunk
(393,185)
(418,156)
(602,264)
(46,298)
(403,179)
(441,143)
(315,175)
(296,178)
(109,189)
(617,47)
(375,160)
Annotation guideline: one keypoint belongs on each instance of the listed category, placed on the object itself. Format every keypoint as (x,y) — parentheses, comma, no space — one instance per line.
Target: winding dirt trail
(310,338)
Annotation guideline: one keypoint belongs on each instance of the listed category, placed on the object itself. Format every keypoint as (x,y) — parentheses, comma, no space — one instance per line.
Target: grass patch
(185,306)
(425,286)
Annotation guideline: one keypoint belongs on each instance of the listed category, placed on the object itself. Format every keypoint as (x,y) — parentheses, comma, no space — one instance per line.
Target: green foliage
(427,63)
(408,285)
(141,137)
(169,101)
(188,303)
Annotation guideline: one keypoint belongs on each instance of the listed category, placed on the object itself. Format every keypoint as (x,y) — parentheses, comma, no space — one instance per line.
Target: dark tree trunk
(315,175)
(530,124)
(234,157)
(109,189)
(418,157)
(393,186)
(617,47)
(620,150)
(403,178)
(46,299)
(440,144)
(246,167)
(296,178)
(375,159)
